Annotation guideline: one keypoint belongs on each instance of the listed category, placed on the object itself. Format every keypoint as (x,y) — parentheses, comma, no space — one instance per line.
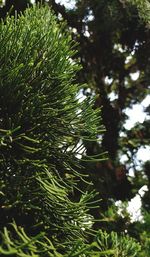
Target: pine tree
(42,127)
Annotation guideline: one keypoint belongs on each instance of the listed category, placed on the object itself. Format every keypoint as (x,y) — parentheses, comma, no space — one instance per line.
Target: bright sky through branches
(69,4)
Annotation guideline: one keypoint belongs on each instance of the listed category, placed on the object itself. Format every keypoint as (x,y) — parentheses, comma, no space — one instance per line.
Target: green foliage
(43,129)
(118,246)
(22,245)
(104,245)
(41,125)
(144,234)
(143,8)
